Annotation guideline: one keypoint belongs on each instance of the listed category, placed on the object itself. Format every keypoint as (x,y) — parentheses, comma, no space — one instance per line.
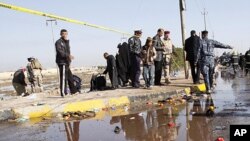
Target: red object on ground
(220,139)
(171,124)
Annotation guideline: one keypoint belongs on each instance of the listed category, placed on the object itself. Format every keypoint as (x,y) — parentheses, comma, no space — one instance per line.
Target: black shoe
(160,84)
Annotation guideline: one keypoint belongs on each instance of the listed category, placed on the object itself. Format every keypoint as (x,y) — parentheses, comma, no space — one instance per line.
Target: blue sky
(24,35)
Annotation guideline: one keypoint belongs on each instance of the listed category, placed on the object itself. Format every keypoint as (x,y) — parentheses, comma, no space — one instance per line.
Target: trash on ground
(149,103)
(171,124)
(117,130)
(220,139)
(96,110)
(113,108)
(39,104)
(140,114)
(192,113)
(126,108)
(21,119)
(78,115)
(220,127)
(132,118)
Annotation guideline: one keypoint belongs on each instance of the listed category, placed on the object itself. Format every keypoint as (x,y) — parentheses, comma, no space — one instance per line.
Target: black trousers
(135,71)
(66,79)
(195,71)
(158,72)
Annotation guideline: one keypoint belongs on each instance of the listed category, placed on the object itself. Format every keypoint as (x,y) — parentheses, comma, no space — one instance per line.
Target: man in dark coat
(123,63)
(135,51)
(111,70)
(63,60)
(192,45)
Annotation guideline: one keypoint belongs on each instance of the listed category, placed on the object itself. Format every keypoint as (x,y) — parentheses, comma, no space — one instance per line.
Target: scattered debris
(96,110)
(113,108)
(117,130)
(171,124)
(140,114)
(220,127)
(188,98)
(192,113)
(149,103)
(39,104)
(126,108)
(105,109)
(78,115)
(220,139)
(210,113)
(25,94)
(132,118)
(21,119)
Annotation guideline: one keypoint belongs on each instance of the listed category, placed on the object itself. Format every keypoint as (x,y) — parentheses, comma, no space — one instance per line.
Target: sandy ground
(50,78)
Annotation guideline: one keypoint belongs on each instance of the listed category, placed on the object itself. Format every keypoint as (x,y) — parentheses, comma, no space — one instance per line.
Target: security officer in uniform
(167,54)
(235,61)
(135,51)
(247,58)
(206,55)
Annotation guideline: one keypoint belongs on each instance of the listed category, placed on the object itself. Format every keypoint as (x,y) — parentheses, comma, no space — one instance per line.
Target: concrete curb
(90,105)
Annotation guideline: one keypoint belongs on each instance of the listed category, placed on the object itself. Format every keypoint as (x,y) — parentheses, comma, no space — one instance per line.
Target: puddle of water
(166,124)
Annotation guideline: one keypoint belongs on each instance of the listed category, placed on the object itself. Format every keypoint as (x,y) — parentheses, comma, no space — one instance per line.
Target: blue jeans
(148,74)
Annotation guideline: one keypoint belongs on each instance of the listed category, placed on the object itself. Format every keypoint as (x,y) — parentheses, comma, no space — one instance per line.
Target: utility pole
(182,9)
(53,22)
(205,21)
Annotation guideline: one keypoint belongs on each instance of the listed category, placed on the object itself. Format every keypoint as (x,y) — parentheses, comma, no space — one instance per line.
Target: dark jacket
(206,50)
(158,45)
(112,70)
(192,45)
(123,62)
(111,64)
(135,45)
(62,51)
(19,77)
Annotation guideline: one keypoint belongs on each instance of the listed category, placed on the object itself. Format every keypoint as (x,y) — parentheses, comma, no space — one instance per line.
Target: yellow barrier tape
(34,12)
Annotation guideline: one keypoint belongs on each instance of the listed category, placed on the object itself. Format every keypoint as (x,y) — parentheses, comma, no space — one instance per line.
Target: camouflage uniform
(35,78)
(206,55)
(168,50)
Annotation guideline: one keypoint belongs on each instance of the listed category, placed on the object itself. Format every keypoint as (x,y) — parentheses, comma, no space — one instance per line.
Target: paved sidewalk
(39,105)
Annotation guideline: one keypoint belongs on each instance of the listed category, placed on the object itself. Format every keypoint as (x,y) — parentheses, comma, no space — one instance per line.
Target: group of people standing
(154,56)
(200,54)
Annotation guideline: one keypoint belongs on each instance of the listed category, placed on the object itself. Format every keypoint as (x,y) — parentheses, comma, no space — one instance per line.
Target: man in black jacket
(63,60)
(111,70)
(192,45)
(135,51)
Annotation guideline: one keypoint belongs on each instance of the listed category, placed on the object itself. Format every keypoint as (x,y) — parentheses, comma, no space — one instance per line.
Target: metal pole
(205,21)
(53,39)
(182,9)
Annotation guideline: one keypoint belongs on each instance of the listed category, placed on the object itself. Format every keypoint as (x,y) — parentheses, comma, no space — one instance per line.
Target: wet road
(231,99)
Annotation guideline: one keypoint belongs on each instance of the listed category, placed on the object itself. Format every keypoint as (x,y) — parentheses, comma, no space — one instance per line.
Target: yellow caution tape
(25,10)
